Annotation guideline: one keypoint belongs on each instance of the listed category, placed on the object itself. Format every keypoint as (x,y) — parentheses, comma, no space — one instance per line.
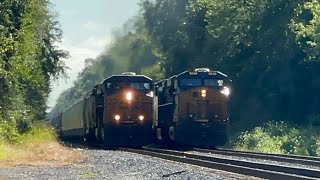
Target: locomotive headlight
(117,117)
(225,91)
(203,93)
(141,117)
(129,96)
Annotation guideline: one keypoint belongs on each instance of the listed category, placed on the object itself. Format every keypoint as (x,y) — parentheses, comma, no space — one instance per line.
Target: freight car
(117,112)
(193,108)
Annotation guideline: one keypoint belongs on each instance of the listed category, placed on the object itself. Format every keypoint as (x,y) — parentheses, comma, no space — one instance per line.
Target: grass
(88,175)
(39,146)
(6,151)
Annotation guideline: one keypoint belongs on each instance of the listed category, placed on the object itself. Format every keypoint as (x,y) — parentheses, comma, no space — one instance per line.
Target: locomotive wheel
(171,133)
(89,135)
(96,134)
(156,135)
(102,135)
(166,140)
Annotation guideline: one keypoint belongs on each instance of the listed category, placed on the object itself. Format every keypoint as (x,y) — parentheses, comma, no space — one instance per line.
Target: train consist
(189,108)
(117,112)
(193,108)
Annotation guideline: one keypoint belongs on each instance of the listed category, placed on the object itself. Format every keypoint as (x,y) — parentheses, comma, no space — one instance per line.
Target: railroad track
(262,170)
(294,159)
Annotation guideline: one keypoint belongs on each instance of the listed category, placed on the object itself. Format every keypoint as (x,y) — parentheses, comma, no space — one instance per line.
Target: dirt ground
(49,154)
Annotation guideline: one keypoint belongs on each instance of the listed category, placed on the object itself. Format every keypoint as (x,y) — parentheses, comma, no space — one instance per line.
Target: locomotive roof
(116,78)
(187,74)
(217,74)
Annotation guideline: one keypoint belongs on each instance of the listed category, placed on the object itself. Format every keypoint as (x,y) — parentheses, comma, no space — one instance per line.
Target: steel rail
(241,167)
(279,155)
(273,157)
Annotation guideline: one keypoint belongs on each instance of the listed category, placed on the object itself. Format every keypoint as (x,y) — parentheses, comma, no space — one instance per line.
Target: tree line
(29,58)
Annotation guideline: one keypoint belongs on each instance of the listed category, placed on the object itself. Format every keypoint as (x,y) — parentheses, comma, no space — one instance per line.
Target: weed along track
(257,169)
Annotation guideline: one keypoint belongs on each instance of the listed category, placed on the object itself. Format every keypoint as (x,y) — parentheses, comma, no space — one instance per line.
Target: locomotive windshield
(185,83)
(213,82)
(140,86)
(190,82)
(120,85)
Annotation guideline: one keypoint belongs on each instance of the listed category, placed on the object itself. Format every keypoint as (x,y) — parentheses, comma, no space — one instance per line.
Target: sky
(87,27)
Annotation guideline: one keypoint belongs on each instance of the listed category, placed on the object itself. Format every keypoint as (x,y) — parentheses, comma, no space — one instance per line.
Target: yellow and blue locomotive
(117,112)
(193,108)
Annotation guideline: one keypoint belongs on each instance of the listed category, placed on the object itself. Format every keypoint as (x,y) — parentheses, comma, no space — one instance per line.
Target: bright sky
(87,27)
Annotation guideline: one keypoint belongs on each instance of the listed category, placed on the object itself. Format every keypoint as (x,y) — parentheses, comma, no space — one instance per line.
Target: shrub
(280,137)
(39,132)
(9,132)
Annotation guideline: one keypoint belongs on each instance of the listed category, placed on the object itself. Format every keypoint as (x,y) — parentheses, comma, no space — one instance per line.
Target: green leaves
(306,26)
(280,137)
(27,58)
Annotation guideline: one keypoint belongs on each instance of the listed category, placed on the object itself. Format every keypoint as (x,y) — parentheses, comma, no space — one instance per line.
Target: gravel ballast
(104,164)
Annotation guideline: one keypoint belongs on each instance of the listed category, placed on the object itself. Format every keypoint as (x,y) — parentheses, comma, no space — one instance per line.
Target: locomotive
(193,108)
(117,112)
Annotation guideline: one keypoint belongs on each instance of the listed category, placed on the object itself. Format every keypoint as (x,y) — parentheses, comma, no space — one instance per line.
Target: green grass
(6,151)
(88,175)
(13,144)
(39,133)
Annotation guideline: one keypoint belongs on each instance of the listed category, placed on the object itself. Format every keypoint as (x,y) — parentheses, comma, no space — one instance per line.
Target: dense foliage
(282,138)
(28,58)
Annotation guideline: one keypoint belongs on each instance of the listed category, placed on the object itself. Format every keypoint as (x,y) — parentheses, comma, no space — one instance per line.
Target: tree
(28,58)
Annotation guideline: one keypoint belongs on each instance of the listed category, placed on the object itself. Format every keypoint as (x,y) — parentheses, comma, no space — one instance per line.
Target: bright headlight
(129,96)
(225,91)
(117,117)
(141,117)
(203,93)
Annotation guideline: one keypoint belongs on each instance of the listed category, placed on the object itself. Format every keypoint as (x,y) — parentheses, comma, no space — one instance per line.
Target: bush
(39,132)
(9,132)
(13,142)
(280,137)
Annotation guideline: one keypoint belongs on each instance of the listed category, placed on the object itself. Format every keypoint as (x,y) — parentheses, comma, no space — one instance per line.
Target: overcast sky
(87,27)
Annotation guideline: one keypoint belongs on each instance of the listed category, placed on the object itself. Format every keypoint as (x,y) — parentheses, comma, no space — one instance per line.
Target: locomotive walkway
(257,169)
